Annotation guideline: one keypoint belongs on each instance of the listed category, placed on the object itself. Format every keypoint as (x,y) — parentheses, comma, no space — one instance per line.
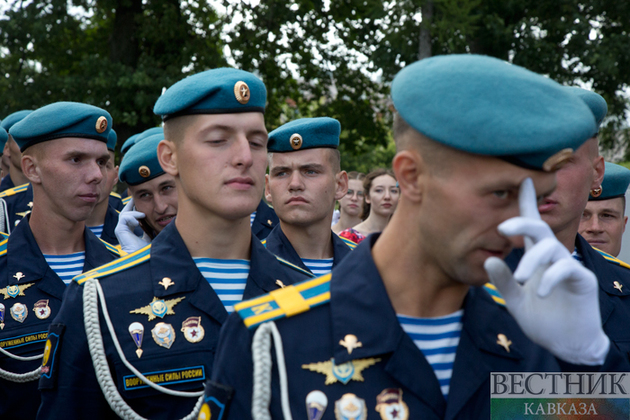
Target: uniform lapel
(340,249)
(263,266)
(278,244)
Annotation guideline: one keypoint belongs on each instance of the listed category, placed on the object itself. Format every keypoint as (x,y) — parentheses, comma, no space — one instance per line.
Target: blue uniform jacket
(358,304)
(22,263)
(279,245)
(19,202)
(115,200)
(264,221)
(111,220)
(614,304)
(6,183)
(71,391)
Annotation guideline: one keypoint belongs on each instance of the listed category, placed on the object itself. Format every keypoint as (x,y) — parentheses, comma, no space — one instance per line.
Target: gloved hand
(127,221)
(552,296)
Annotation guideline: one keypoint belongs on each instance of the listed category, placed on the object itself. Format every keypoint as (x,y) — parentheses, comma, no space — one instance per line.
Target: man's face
(461,209)
(603,223)
(157,199)
(70,172)
(383,195)
(302,186)
(352,202)
(111,178)
(221,163)
(563,209)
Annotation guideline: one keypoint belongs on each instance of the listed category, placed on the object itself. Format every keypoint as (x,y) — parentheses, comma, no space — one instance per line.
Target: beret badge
(296,141)
(241,92)
(101,124)
(144,171)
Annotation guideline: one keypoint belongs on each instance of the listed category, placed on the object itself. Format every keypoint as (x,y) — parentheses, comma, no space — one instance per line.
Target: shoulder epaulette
(492,291)
(14,190)
(113,194)
(3,235)
(122,263)
(285,302)
(111,248)
(3,245)
(612,259)
(126,200)
(293,266)
(348,242)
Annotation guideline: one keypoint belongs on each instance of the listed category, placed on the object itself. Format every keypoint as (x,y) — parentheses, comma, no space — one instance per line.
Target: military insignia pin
(350,407)
(316,403)
(241,92)
(166,282)
(19,275)
(158,308)
(390,405)
(503,341)
(350,342)
(41,309)
(19,312)
(618,285)
(136,330)
(192,329)
(344,372)
(1,316)
(15,291)
(296,141)
(144,171)
(101,125)
(163,334)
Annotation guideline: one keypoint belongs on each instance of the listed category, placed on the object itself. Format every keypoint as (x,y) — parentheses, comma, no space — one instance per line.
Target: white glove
(552,296)
(127,222)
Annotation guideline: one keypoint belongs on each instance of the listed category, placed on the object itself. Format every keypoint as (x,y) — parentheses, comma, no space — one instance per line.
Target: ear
(30,169)
(268,190)
(6,150)
(167,155)
(625,222)
(598,168)
(341,180)
(408,166)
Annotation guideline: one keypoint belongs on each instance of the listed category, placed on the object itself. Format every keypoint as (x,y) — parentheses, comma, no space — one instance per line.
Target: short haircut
(175,128)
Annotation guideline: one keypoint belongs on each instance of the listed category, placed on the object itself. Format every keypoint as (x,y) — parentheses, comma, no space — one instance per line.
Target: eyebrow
(81,154)
(317,166)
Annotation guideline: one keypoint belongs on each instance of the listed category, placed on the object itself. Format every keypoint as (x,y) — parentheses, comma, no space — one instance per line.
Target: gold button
(101,124)
(296,141)
(241,91)
(144,171)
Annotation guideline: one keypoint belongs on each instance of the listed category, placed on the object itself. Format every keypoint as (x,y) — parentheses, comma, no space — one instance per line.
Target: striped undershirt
(97,230)
(437,338)
(576,255)
(66,266)
(251,218)
(227,277)
(319,267)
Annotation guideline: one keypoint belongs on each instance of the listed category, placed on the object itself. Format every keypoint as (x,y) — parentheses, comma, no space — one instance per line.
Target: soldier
(12,151)
(153,335)
(305,179)
(603,220)
(405,320)
(64,158)
(104,218)
(154,195)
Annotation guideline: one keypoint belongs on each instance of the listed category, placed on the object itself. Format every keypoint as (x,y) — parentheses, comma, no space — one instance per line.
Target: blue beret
(137,137)
(305,133)
(4,136)
(140,163)
(486,106)
(11,119)
(593,100)
(217,91)
(111,140)
(615,183)
(62,119)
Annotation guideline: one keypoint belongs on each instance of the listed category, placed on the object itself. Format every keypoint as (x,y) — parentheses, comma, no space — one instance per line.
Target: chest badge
(390,405)
(618,286)
(19,276)
(2,316)
(316,403)
(166,282)
(503,341)
(344,372)
(350,407)
(41,309)
(136,330)
(350,342)
(15,291)
(192,329)
(19,312)
(163,334)
(158,308)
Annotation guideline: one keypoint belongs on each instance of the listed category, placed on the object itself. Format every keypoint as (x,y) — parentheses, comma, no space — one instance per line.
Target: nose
(243,153)
(160,204)
(295,182)
(96,173)
(594,225)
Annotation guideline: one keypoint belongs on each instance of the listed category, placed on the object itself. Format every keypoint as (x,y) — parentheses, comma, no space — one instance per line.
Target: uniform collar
(265,219)
(111,220)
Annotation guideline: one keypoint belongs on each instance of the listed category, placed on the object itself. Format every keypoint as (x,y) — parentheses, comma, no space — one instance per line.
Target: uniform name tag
(22,340)
(166,377)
